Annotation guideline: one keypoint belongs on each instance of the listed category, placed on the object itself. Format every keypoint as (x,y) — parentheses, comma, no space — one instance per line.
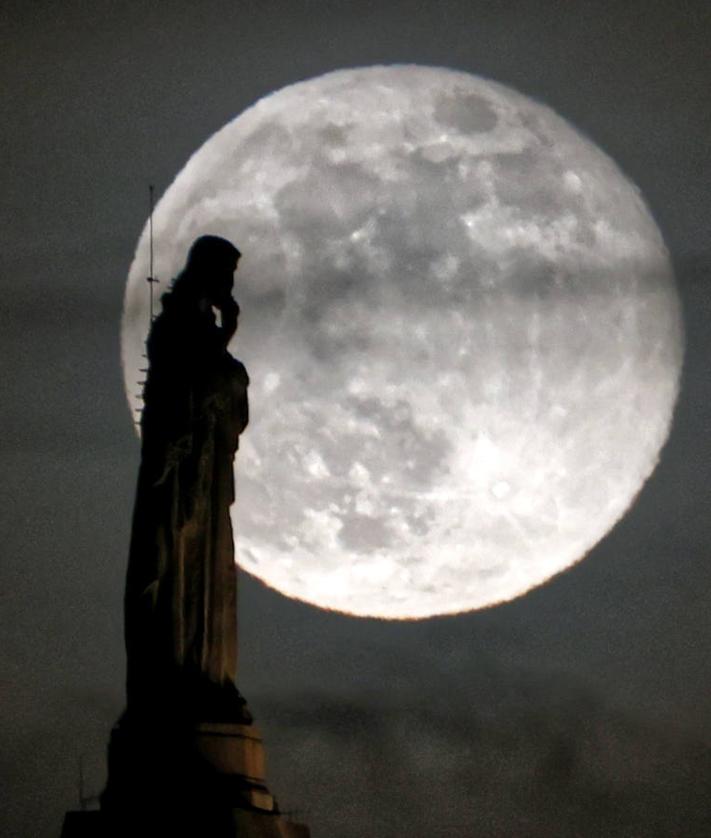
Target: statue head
(209,269)
(209,253)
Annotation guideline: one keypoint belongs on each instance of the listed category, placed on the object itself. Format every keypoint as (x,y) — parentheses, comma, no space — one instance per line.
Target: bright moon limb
(461,326)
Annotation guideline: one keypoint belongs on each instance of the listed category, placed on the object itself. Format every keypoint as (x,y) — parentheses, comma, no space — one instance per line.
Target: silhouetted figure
(181,587)
(186,758)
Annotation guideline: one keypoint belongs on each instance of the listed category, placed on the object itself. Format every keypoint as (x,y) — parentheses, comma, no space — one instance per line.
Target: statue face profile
(209,271)
(220,282)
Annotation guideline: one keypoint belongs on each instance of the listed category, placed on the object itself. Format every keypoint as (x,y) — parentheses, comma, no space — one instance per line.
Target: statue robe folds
(181,588)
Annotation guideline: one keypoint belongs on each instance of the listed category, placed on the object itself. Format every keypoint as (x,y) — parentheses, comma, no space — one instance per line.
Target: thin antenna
(151,279)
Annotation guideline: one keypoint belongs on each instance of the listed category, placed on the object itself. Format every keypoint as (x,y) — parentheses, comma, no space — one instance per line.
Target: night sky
(583,708)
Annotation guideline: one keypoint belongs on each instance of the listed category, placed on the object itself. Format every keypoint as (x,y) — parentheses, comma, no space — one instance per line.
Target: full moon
(461,327)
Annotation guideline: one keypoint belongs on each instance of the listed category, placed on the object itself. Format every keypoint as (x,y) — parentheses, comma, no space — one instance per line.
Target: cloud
(544,762)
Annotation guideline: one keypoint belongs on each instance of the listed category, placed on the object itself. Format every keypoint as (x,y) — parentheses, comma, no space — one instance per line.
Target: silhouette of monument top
(181,585)
(185,758)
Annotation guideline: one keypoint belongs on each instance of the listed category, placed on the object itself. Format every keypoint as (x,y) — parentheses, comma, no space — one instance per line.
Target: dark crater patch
(336,135)
(466,112)
(530,182)
(269,139)
(364,533)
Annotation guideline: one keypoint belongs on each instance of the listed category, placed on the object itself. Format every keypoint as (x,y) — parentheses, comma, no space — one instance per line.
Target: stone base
(245,824)
(83,825)
(185,777)
(236,751)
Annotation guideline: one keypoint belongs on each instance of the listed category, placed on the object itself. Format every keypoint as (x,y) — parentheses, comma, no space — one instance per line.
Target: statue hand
(229,309)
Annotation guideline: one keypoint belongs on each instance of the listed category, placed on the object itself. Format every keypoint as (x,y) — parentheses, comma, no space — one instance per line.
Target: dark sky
(583,708)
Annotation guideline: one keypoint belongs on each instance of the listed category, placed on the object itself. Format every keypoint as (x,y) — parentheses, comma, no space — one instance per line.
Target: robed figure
(181,587)
(186,759)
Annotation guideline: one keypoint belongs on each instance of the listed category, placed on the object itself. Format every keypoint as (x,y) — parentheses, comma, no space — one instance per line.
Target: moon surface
(461,327)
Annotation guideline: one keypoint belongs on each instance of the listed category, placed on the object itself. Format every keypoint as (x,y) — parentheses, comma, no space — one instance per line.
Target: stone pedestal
(203,779)
(245,824)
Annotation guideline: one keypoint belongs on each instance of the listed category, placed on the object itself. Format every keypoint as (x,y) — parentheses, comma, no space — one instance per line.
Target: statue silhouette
(181,586)
(185,758)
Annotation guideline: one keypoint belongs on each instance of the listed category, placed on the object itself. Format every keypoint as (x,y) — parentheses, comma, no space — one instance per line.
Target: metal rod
(151,278)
